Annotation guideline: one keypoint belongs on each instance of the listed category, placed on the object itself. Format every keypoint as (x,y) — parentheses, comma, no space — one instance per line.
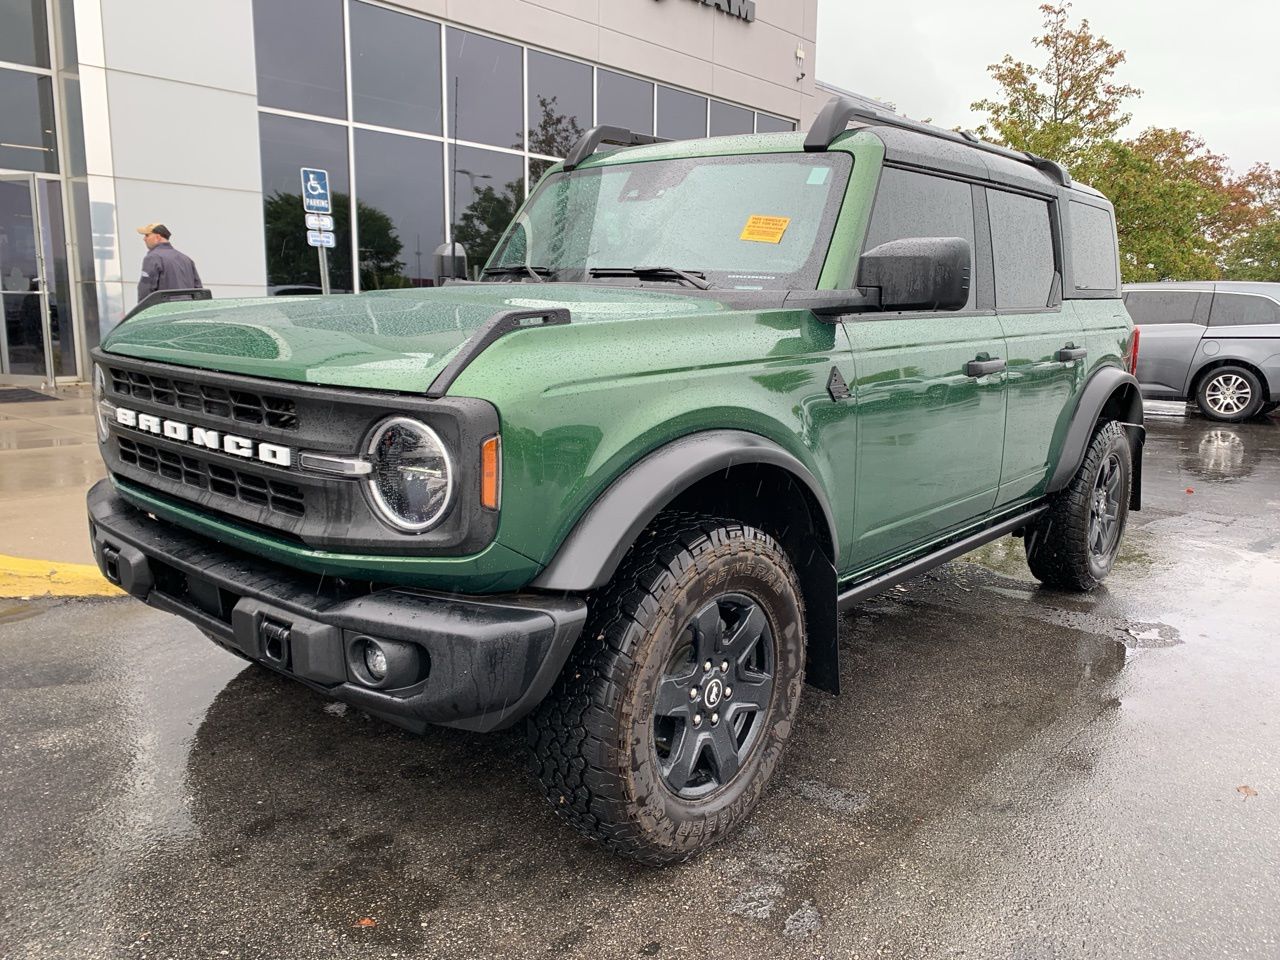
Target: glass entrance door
(25,340)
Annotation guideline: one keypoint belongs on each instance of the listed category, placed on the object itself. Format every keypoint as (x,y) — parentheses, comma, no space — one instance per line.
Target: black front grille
(240,405)
(280,497)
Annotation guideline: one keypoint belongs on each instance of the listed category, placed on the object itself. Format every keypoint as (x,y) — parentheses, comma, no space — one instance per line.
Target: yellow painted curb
(48,578)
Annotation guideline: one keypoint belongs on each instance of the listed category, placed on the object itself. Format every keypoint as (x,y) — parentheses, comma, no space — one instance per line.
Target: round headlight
(412,479)
(100,403)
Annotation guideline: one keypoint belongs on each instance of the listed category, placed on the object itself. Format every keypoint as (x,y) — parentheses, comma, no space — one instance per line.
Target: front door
(25,341)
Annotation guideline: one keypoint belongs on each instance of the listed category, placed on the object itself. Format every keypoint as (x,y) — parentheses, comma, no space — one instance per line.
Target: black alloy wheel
(713,696)
(1105,507)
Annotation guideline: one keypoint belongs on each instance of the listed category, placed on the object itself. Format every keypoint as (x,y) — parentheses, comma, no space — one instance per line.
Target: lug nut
(693,694)
(724,666)
(707,665)
(728,692)
(697,719)
(715,718)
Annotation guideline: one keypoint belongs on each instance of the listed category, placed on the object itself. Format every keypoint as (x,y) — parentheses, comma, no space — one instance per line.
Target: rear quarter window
(1242,310)
(1093,248)
(1162,306)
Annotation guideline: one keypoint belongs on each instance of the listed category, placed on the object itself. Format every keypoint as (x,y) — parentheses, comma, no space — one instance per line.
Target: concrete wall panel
(192,41)
(177,132)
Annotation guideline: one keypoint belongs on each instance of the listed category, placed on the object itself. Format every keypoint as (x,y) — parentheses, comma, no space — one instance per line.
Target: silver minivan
(1217,343)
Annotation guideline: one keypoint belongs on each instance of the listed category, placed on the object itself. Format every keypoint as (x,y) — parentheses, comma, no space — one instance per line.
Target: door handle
(1070,353)
(983,365)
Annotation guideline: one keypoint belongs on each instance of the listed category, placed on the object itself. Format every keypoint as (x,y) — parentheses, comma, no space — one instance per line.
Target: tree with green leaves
(290,261)
(1065,107)
(1181,214)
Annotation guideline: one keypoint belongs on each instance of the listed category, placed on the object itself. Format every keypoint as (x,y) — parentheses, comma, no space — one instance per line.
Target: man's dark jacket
(164,268)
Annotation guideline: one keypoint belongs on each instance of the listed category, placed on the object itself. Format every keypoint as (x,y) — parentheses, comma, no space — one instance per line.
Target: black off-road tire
(1230,394)
(1062,546)
(596,742)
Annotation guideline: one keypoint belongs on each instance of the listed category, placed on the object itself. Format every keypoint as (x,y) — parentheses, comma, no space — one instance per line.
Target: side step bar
(876,585)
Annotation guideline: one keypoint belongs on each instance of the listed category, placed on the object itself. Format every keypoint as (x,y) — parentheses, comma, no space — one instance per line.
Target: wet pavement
(48,458)
(1011,773)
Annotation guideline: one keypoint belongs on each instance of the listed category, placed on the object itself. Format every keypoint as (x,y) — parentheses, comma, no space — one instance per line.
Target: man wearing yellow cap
(164,268)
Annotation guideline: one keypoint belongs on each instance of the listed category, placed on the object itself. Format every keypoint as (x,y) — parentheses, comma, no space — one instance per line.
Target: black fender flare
(590,554)
(1105,389)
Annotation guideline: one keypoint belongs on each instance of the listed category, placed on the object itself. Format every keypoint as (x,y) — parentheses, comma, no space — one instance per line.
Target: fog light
(385,664)
(375,660)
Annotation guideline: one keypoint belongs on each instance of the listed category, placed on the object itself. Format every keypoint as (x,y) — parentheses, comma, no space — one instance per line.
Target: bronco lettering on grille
(271,453)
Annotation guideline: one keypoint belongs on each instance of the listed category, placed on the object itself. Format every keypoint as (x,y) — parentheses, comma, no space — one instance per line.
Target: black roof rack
(620,136)
(834,119)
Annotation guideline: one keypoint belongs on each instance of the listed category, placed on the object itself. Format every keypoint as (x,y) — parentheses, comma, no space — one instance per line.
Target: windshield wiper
(692,277)
(523,269)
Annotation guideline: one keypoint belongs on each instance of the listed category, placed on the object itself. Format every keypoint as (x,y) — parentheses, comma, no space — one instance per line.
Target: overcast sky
(1211,67)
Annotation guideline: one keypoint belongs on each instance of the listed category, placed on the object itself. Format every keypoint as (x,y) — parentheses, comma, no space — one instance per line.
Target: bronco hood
(388,340)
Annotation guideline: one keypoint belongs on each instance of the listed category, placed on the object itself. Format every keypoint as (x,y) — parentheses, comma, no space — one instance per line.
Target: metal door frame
(42,291)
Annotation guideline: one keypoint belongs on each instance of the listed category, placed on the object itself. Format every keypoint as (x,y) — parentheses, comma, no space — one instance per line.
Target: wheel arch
(1110,394)
(727,473)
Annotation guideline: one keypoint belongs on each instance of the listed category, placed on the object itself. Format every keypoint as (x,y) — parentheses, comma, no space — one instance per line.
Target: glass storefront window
(485,89)
(405,181)
(288,145)
(768,124)
(24,38)
(26,123)
(559,103)
(400,216)
(395,69)
(681,116)
(624,101)
(727,120)
(488,188)
(299,50)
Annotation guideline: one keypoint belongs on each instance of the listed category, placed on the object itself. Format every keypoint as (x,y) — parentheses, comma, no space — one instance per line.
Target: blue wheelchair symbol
(315,191)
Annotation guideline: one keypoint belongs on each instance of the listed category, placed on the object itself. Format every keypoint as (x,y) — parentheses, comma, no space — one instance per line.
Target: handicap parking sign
(315,190)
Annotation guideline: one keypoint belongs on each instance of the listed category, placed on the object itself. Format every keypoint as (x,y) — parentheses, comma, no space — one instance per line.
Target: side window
(1242,310)
(1093,248)
(1022,250)
(918,205)
(1149,307)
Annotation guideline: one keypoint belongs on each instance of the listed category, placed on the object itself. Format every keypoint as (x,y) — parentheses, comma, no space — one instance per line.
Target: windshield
(757,222)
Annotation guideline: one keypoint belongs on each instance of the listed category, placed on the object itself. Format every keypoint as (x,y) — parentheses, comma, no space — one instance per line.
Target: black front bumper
(486,661)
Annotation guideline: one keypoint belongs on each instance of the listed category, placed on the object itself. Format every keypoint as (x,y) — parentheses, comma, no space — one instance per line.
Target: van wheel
(1074,544)
(676,703)
(1230,394)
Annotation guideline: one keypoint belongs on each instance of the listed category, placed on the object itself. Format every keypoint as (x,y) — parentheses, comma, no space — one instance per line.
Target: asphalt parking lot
(1011,773)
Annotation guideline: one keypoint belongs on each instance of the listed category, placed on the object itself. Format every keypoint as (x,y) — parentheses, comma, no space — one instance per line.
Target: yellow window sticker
(765,229)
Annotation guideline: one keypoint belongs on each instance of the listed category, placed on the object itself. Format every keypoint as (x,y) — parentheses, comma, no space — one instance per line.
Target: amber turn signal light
(490,473)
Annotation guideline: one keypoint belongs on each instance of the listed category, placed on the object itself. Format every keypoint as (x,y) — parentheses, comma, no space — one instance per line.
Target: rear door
(1047,352)
(930,435)
(1172,323)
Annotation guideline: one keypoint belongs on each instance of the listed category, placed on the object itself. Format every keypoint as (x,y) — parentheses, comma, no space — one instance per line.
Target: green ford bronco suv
(707,395)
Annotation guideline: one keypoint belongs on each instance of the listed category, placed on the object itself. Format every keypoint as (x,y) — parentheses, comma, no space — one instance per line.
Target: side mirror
(918,273)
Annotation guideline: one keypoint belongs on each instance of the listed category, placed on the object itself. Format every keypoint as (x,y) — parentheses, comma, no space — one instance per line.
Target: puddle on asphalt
(13,613)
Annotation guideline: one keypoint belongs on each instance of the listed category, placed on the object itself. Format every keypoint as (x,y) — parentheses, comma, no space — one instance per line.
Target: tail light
(1131,355)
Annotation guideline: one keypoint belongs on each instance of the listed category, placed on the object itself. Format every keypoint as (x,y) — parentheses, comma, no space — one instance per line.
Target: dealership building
(430,117)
